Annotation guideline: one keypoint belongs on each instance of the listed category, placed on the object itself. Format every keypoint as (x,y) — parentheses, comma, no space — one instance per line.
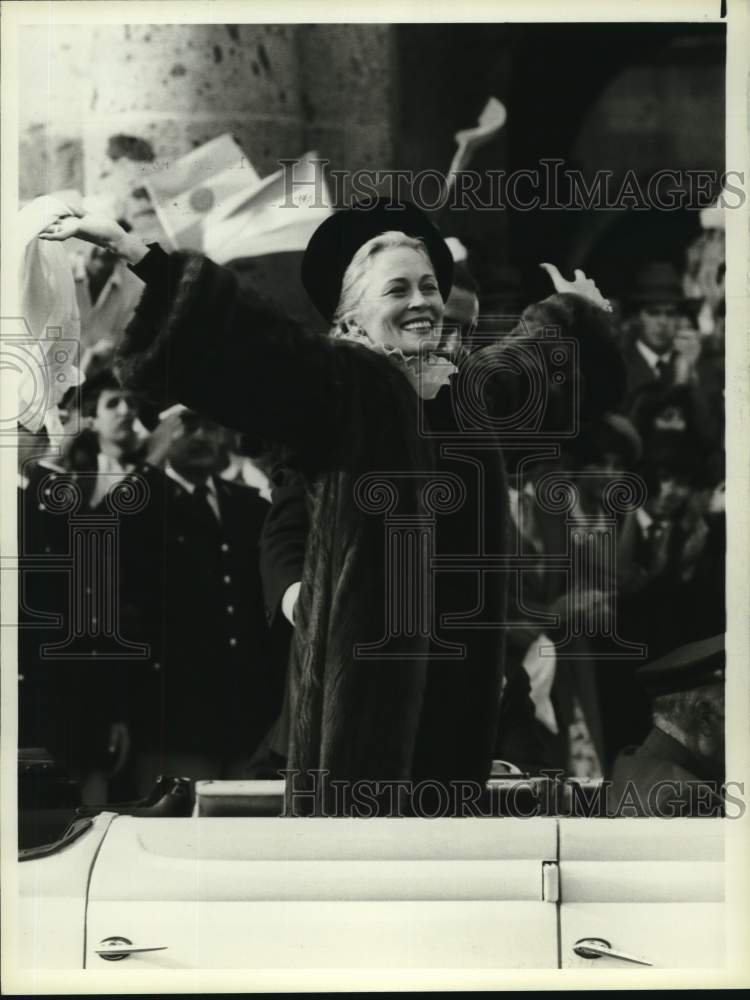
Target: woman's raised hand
(94,228)
(583,286)
(99,230)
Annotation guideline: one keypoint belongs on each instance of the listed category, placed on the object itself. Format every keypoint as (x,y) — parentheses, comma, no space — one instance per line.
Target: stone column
(123,101)
(158,91)
(52,88)
(103,105)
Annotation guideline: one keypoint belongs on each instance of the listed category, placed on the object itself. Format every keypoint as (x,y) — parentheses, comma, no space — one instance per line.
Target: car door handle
(599,948)
(113,949)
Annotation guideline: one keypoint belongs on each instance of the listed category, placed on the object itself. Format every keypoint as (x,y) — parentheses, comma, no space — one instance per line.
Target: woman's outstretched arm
(198,339)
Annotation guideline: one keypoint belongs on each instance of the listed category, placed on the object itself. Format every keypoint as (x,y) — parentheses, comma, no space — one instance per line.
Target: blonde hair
(351,285)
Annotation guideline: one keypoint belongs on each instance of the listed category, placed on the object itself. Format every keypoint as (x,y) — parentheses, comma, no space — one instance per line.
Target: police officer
(679,768)
(205,702)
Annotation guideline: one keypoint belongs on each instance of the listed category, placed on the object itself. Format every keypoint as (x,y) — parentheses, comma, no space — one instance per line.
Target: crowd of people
(177,652)
(656,572)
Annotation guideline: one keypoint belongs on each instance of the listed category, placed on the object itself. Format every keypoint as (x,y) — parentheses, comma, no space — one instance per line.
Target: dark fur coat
(418,702)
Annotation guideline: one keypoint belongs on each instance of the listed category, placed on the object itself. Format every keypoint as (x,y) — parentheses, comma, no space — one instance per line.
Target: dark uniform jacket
(663,778)
(136,611)
(208,685)
(84,600)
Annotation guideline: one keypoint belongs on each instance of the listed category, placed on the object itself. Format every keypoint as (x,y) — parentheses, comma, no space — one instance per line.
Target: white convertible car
(222,892)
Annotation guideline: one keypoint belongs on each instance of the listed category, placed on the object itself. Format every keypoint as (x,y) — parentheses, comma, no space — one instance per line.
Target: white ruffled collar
(427,372)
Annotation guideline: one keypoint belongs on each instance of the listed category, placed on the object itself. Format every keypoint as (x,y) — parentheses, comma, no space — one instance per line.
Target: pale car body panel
(327,893)
(653,889)
(52,902)
(271,893)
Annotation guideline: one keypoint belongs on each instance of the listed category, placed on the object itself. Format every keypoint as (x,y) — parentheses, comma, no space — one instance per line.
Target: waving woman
(397,663)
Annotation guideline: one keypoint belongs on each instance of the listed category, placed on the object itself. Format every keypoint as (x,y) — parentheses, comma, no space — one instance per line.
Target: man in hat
(665,348)
(679,768)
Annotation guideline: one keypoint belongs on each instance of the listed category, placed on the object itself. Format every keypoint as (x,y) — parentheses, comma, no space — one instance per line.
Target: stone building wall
(103,106)
(110,104)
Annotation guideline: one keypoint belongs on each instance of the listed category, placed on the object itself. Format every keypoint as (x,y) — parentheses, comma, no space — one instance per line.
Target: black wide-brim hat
(337,239)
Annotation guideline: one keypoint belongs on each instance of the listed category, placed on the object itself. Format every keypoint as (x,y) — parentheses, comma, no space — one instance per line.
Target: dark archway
(550,76)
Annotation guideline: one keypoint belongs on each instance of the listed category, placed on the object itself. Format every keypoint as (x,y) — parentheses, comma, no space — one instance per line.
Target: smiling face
(398,302)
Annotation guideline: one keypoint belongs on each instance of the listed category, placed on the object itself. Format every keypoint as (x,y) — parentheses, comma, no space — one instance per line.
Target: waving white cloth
(46,346)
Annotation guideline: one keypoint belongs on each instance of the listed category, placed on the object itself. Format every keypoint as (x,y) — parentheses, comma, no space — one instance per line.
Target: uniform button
(47,548)
(227,578)
(47,491)
(88,590)
(42,506)
(230,609)
(233,641)
(180,538)
(157,666)
(94,652)
(52,478)
(224,547)
(94,621)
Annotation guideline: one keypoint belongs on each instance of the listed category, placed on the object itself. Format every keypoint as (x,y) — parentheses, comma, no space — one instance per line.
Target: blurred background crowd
(178,662)
(202,564)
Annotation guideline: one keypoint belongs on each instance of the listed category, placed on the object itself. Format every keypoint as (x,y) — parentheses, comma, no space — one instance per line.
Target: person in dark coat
(282,561)
(679,768)
(655,351)
(578,396)
(397,668)
(561,657)
(672,553)
(679,412)
(201,708)
(664,351)
(282,557)
(86,507)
